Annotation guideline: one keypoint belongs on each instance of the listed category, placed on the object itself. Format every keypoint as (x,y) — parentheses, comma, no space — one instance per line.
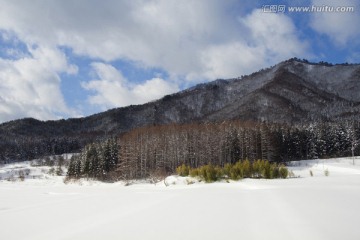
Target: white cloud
(341,27)
(153,89)
(112,89)
(30,86)
(275,34)
(270,38)
(230,60)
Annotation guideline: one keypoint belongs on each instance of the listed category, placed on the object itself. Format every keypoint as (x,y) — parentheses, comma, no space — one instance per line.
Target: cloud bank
(112,89)
(30,87)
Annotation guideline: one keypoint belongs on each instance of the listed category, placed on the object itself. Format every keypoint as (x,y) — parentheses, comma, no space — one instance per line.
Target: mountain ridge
(291,92)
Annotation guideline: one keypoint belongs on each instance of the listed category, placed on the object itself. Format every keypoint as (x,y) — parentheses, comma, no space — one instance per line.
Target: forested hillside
(148,151)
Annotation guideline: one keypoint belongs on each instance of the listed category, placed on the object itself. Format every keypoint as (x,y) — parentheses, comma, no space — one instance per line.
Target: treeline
(144,152)
(27,148)
(96,161)
(27,139)
(167,147)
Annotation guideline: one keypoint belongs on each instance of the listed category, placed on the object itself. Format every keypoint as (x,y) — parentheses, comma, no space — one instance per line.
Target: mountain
(292,92)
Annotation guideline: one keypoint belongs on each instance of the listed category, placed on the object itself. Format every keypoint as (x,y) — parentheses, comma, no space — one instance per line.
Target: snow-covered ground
(318,207)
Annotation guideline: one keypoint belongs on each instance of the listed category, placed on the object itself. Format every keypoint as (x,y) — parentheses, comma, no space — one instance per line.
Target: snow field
(317,207)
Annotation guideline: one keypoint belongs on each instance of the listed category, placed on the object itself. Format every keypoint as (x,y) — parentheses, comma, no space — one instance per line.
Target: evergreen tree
(92,158)
(71,169)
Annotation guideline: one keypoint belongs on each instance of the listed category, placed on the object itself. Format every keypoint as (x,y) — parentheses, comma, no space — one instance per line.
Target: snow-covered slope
(46,170)
(339,79)
(318,207)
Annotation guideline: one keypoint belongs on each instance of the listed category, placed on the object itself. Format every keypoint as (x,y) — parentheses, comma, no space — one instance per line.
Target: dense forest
(156,150)
(96,161)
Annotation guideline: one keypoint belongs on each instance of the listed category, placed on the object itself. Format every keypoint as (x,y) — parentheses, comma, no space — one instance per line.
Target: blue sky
(61,59)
